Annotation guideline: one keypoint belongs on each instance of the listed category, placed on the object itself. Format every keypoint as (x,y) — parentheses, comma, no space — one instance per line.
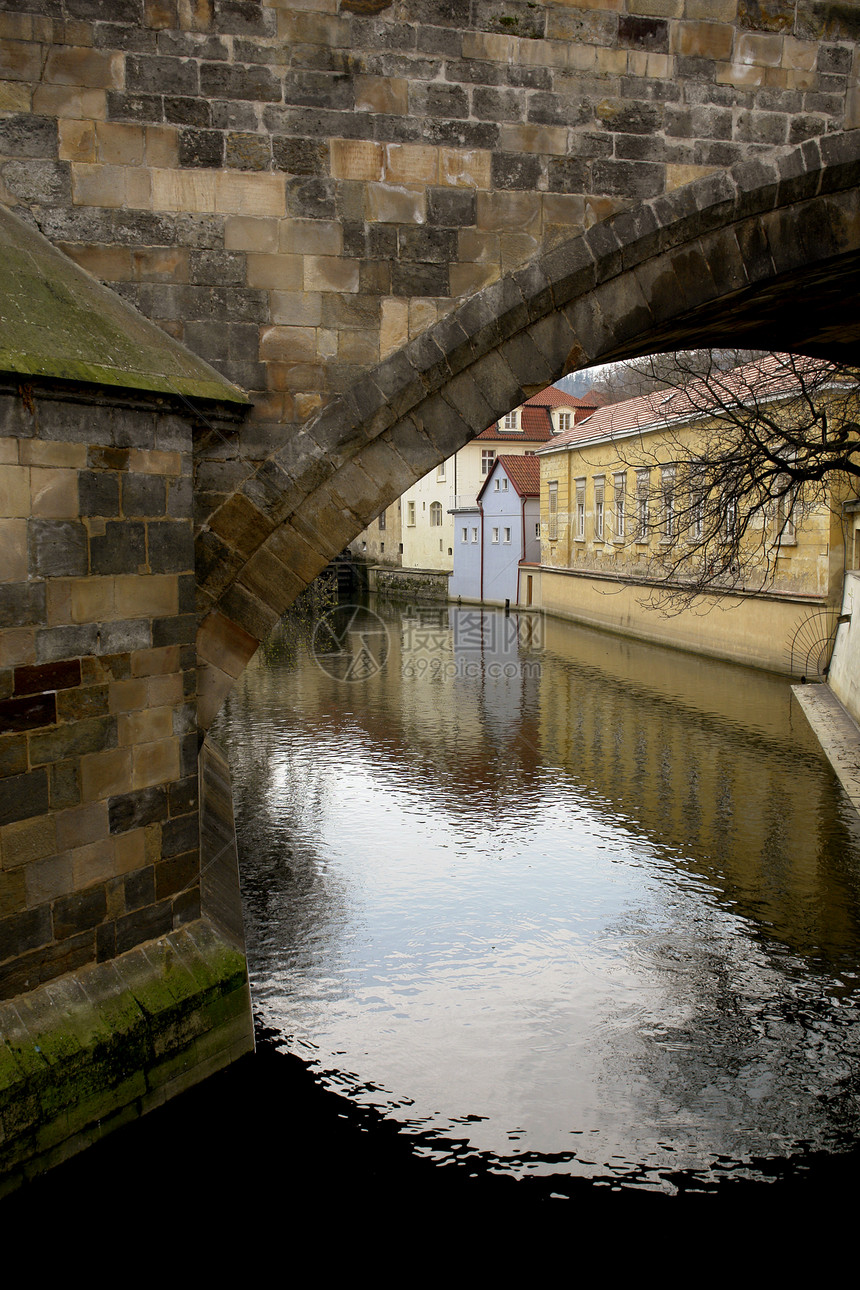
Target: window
(496,535)
(537,529)
(474,535)
(619,487)
(507,537)
(786,532)
(488,456)
(382,522)
(509,422)
(465,537)
(496,483)
(730,510)
(553,510)
(598,507)
(410,514)
(504,484)
(563,421)
(642,516)
(697,514)
(668,486)
(440,471)
(435,515)
(580,509)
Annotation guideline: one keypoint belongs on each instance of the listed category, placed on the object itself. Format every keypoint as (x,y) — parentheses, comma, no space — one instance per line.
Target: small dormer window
(563,421)
(510,421)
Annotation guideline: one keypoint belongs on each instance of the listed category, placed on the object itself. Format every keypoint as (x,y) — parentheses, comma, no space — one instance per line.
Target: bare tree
(732,457)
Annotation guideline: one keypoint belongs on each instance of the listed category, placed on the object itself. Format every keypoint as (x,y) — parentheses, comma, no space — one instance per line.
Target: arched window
(435,515)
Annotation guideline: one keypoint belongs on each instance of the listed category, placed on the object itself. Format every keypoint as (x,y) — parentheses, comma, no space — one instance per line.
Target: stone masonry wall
(98,721)
(296,187)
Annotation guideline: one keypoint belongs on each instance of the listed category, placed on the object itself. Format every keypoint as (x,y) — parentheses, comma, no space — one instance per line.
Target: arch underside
(764,256)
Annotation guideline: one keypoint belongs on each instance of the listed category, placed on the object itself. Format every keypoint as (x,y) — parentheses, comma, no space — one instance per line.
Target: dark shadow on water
(264,1141)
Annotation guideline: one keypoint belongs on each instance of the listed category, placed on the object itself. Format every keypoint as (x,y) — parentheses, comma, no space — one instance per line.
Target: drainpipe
(481,518)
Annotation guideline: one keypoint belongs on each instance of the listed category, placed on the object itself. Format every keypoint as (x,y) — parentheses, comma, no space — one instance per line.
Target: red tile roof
(523,472)
(535,427)
(764,378)
(535,418)
(552,397)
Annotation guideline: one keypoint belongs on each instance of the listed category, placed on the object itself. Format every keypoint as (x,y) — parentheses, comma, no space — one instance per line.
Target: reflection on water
(571,903)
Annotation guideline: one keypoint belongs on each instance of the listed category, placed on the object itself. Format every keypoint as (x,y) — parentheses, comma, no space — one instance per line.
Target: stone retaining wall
(98,712)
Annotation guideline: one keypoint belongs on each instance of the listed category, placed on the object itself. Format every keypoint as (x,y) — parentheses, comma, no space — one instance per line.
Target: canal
(554,903)
(535,916)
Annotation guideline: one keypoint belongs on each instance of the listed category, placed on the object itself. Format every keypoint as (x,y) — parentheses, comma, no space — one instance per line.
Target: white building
(429,507)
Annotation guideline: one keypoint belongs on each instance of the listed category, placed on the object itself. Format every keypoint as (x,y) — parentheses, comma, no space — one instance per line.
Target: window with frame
(643,481)
(504,483)
(619,488)
(506,538)
(509,422)
(537,528)
(730,516)
(410,514)
(563,421)
(552,499)
(667,482)
(440,471)
(785,529)
(474,535)
(488,456)
(496,536)
(697,513)
(465,537)
(435,515)
(599,495)
(580,509)
(381,522)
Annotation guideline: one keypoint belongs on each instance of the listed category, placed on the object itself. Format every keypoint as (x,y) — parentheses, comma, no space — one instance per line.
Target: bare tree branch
(732,456)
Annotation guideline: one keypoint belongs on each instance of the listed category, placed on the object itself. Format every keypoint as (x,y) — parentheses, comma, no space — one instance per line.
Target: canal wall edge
(87,1053)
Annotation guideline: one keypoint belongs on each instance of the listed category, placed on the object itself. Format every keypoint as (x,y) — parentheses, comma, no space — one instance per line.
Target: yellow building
(632,526)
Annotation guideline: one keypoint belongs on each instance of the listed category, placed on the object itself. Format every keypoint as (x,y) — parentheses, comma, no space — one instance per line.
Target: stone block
(81,825)
(93,863)
(711,40)
(54,492)
(239,193)
(27,713)
(155,662)
(57,548)
(155,763)
(15,492)
(47,879)
(356,159)
(89,68)
(244,150)
(275,272)
(465,167)
(13,550)
(243,233)
(26,840)
(78,704)
(387,203)
(171,550)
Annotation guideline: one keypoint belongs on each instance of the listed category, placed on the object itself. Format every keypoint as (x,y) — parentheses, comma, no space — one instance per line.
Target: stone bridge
(388,223)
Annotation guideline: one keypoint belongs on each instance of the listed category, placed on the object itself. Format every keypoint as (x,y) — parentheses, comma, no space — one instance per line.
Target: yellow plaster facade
(606,501)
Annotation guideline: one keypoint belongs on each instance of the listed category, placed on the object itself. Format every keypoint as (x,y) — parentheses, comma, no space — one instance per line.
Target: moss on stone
(57,321)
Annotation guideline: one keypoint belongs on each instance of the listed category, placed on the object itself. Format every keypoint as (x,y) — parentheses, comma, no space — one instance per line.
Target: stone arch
(723,260)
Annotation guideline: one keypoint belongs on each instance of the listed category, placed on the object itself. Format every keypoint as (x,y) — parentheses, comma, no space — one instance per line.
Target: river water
(557,903)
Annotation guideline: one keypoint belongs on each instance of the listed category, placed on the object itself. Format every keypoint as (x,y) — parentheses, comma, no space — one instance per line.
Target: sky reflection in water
(595,917)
